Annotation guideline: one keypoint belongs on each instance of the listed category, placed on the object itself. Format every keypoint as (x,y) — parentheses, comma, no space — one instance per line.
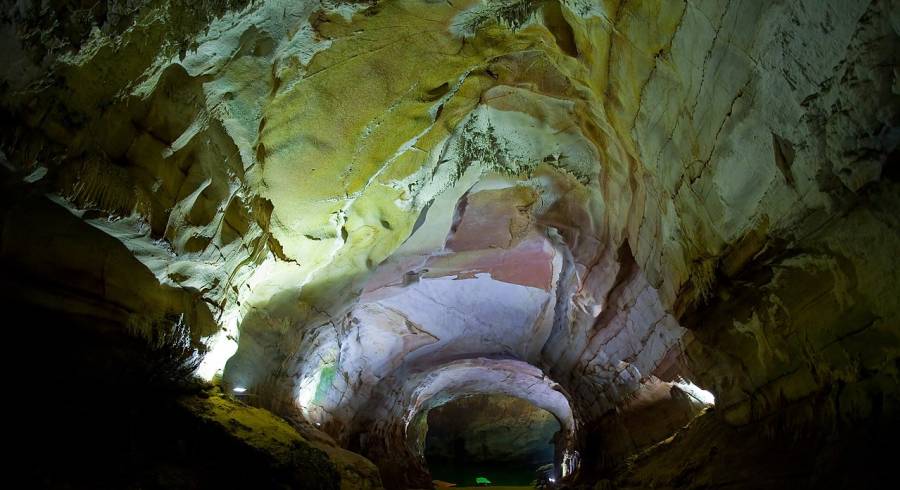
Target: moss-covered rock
(294,461)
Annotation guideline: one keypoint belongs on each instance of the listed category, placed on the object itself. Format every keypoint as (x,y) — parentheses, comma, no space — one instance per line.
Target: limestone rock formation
(365,209)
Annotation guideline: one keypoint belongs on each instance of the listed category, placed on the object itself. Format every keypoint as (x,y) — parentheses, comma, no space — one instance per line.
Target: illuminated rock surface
(365,210)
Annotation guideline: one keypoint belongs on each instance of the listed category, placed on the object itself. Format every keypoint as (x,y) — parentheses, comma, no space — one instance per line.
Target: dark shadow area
(500,438)
(103,396)
(103,413)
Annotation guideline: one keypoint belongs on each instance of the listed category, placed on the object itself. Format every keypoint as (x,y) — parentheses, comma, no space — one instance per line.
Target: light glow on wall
(696,392)
(220,346)
(310,388)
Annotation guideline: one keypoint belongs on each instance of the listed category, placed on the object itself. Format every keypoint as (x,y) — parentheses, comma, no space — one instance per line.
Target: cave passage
(498,437)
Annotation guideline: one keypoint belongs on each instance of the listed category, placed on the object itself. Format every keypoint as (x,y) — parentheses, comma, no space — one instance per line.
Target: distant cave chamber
(504,437)
(404,244)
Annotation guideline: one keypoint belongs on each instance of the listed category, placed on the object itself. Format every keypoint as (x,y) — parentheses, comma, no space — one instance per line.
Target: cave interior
(417,244)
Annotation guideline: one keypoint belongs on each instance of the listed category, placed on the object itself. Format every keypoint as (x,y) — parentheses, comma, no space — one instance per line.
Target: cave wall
(773,305)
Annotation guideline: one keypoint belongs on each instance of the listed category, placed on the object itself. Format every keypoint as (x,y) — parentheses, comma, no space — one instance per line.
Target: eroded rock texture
(364,210)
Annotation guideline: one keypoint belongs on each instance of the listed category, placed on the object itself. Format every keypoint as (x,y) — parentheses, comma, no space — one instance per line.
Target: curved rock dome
(281,232)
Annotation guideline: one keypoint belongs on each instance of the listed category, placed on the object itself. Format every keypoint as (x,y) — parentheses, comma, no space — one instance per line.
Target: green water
(464,473)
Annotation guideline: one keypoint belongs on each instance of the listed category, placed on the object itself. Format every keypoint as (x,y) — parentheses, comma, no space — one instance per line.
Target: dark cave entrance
(498,437)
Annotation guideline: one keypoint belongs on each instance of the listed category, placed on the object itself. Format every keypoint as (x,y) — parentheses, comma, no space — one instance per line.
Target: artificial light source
(239,389)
